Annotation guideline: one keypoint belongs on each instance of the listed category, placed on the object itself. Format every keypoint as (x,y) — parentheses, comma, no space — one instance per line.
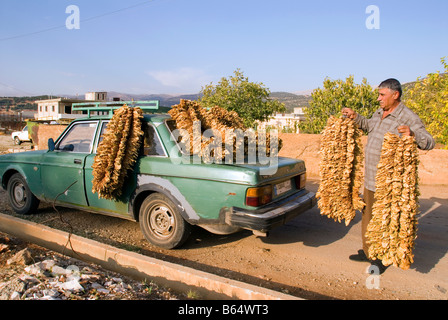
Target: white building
(96,96)
(61,108)
(285,121)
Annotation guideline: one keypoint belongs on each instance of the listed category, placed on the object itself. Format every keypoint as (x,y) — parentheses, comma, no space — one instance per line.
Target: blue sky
(178,46)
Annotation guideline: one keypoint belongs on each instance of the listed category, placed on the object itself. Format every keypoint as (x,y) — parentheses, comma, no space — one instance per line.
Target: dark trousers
(369,198)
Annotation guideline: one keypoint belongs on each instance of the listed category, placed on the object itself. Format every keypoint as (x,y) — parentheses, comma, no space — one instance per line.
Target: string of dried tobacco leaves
(393,228)
(117,152)
(222,122)
(340,170)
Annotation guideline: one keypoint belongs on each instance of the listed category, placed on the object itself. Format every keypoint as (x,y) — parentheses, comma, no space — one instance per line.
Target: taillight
(256,197)
(300,181)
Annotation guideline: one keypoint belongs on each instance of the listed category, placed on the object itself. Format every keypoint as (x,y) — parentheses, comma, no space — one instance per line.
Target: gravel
(30,272)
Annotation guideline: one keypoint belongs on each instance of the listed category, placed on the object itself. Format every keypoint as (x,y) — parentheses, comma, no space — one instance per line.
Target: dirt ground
(308,257)
(7,144)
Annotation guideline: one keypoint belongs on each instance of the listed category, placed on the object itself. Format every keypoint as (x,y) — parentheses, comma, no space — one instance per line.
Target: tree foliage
(428,98)
(335,95)
(249,99)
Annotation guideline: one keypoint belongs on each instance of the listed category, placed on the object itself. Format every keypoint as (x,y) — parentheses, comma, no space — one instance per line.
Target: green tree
(335,95)
(249,99)
(428,98)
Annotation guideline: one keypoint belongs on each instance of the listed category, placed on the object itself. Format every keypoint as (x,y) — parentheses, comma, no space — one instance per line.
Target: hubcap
(19,194)
(162,222)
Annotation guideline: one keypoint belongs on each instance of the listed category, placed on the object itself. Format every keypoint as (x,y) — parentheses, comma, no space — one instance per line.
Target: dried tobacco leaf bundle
(392,230)
(340,170)
(221,119)
(223,124)
(182,116)
(117,152)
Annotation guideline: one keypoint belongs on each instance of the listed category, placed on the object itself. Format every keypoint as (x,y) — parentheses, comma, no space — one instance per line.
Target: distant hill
(25,105)
(290,100)
(20,103)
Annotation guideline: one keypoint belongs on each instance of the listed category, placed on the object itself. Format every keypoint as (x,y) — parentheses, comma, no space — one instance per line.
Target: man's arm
(362,122)
(424,139)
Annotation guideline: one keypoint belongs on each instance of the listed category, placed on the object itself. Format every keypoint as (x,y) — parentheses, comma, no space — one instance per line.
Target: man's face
(388,98)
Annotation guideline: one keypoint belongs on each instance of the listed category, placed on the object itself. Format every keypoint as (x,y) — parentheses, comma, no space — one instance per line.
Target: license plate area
(282,187)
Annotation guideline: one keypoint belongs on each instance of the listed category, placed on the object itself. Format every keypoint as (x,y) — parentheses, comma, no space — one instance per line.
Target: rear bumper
(272,215)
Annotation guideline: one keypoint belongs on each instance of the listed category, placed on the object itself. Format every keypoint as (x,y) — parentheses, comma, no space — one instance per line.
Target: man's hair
(392,84)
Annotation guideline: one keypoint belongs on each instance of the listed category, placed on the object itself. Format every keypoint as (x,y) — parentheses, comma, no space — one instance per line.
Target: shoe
(360,256)
(377,266)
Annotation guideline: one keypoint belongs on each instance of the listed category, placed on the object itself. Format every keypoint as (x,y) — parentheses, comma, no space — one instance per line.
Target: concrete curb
(177,277)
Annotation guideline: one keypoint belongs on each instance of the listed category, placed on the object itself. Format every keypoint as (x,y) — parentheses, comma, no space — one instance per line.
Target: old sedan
(164,193)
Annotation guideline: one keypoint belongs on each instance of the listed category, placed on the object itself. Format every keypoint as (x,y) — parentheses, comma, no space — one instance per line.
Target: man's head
(390,92)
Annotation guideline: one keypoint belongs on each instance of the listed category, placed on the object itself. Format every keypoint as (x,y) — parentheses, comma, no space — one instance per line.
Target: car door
(63,169)
(152,148)
(24,135)
(113,207)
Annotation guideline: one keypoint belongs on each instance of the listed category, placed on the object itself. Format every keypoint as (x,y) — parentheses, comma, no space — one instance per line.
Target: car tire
(20,197)
(17,141)
(161,223)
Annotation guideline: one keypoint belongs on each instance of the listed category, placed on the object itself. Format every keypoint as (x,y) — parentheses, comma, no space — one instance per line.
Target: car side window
(152,145)
(79,138)
(103,130)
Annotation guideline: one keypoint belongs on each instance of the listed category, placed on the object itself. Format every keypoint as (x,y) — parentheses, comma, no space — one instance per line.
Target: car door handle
(77,161)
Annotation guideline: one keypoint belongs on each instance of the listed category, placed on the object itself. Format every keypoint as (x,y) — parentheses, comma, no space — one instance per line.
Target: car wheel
(20,197)
(161,222)
(17,141)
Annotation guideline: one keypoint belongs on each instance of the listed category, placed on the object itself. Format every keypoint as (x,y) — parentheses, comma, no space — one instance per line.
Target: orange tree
(335,95)
(428,97)
(249,99)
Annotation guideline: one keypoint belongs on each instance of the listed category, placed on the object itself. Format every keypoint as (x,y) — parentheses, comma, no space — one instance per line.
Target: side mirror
(51,145)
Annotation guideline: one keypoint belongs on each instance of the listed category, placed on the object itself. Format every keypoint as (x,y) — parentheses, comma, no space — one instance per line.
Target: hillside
(20,103)
(291,100)
(17,104)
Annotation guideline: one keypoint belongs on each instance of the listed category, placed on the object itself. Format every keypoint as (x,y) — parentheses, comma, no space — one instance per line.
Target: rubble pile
(223,123)
(38,274)
(340,170)
(392,231)
(117,152)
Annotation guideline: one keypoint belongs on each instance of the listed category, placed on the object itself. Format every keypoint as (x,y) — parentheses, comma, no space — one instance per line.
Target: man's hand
(349,113)
(405,131)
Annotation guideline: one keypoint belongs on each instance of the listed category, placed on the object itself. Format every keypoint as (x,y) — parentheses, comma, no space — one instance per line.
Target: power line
(82,20)
(16,89)
(31,33)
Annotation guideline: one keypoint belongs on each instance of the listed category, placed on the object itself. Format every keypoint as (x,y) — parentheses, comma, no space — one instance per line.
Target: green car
(164,193)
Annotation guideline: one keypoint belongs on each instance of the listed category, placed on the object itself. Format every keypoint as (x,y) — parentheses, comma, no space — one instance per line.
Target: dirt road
(307,257)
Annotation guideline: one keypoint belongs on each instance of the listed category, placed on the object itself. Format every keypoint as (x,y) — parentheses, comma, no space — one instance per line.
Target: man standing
(394,117)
